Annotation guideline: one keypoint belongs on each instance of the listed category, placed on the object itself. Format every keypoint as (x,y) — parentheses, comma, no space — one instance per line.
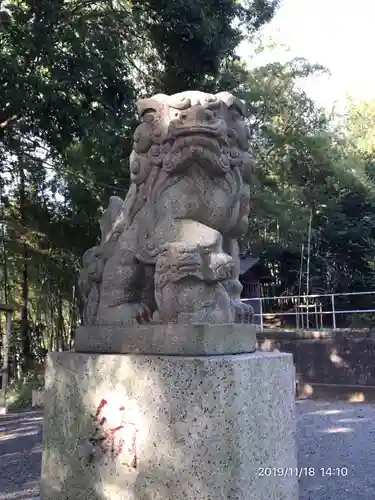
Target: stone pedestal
(169,427)
(171,339)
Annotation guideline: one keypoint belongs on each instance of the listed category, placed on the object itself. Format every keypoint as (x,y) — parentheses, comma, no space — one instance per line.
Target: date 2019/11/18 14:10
(302,471)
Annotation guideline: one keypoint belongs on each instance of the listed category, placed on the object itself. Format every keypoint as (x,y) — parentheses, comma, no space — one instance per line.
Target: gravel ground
(337,438)
(332,437)
(20,455)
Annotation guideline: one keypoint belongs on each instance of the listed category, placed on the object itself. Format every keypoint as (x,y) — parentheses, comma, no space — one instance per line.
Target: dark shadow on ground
(20,455)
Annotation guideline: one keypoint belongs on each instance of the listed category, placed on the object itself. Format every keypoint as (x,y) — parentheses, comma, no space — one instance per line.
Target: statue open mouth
(192,141)
(197,130)
(202,149)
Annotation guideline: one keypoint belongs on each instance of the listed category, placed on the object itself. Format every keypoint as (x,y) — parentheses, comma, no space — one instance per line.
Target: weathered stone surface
(169,428)
(171,246)
(172,339)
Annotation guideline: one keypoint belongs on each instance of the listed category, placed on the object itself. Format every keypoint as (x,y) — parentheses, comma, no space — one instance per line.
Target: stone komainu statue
(169,252)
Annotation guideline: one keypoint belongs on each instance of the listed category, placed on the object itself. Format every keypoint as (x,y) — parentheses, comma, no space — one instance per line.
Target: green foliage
(66,109)
(62,69)
(192,38)
(303,166)
(19,394)
(70,72)
(360,126)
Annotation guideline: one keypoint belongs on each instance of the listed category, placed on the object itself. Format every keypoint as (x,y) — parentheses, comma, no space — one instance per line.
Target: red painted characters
(115,437)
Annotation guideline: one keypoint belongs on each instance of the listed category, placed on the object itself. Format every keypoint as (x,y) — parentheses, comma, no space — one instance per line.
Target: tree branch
(9,121)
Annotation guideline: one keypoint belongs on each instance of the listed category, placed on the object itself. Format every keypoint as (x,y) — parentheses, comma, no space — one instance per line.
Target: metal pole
(261,314)
(4,382)
(302,316)
(321,316)
(333,312)
(297,318)
(300,288)
(308,270)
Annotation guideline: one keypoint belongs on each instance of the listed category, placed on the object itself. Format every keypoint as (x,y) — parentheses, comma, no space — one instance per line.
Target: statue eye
(235,113)
(148,115)
(148,110)
(214,107)
(232,135)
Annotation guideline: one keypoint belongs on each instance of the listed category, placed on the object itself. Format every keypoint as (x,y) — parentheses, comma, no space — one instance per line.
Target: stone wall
(345,357)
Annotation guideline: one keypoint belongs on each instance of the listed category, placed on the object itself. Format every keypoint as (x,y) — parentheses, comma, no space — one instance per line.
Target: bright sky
(338,34)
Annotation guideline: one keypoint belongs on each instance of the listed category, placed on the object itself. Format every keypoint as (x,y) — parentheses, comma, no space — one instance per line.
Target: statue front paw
(127,313)
(221,267)
(143,313)
(243,312)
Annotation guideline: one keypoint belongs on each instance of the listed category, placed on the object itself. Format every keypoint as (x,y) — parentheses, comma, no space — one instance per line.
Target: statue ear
(248,167)
(150,105)
(232,101)
(110,215)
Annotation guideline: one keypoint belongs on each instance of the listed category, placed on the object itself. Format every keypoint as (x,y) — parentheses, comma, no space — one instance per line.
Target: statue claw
(243,312)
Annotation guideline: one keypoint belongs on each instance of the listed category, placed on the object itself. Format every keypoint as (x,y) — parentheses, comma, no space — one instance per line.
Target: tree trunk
(3,250)
(72,317)
(60,340)
(25,330)
(5,264)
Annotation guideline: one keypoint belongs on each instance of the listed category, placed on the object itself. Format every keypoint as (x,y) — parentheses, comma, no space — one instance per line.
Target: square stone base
(167,339)
(137,427)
